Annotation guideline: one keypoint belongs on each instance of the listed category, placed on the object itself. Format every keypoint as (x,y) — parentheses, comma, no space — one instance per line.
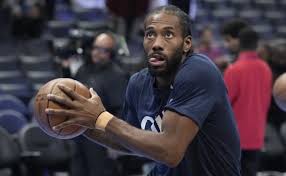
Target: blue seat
(12,76)
(12,121)
(21,90)
(36,63)
(251,14)
(10,102)
(224,13)
(9,152)
(42,152)
(59,29)
(265,30)
(281,30)
(92,15)
(8,63)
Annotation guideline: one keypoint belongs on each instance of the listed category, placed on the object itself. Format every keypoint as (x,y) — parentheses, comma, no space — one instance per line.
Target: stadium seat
(8,63)
(283,132)
(12,76)
(272,153)
(252,15)
(59,29)
(10,102)
(12,121)
(43,153)
(20,90)
(264,30)
(9,154)
(224,14)
(91,15)
(265,4)
(281,30)
(274,15)
(239,3)
(36,63)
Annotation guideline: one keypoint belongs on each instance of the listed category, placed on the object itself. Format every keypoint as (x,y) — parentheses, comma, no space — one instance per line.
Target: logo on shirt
(153,124)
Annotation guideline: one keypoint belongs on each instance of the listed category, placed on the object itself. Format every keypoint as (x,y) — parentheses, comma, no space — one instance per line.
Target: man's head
(102,48)
(206,35)
(248,39)
(230,32)
(167,39)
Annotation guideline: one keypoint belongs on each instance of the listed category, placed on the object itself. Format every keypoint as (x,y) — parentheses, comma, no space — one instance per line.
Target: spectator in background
(188,6)
(101,73)
(230,32)
(275,54)
(129,10)
(104,76)
(249,83)
(207,45)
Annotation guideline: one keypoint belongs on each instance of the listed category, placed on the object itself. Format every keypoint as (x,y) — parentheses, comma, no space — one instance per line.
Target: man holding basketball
(176,111)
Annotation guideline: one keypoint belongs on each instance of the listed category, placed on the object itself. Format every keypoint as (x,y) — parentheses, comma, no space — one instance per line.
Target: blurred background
(45,39)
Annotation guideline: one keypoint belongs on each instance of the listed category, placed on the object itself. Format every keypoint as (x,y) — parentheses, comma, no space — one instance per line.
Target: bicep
(179,129)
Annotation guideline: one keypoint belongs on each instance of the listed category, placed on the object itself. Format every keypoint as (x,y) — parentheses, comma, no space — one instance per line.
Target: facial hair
(172,64)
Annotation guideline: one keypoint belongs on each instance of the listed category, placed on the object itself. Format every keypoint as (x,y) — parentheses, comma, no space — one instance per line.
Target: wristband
(102,120)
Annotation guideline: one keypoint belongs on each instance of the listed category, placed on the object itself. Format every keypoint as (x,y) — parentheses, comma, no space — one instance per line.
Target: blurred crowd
(99,43)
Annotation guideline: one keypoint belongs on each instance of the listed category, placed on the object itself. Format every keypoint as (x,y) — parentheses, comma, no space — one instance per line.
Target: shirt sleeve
(231,82)
(193,93)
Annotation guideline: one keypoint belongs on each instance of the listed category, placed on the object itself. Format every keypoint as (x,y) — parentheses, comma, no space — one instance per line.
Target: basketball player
(176,111)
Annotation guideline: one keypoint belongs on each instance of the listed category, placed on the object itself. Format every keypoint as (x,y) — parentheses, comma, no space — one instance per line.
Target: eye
(149,34)
(169,35)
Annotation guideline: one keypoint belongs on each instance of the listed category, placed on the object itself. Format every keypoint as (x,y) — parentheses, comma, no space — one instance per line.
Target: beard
(172,64)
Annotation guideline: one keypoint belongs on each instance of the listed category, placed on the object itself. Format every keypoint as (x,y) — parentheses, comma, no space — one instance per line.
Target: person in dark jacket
(102,74)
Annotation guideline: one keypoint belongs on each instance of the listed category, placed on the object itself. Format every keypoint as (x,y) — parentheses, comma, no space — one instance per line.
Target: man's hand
(82,111)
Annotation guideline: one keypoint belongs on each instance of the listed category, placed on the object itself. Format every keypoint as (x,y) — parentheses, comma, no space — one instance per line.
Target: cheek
(146,45)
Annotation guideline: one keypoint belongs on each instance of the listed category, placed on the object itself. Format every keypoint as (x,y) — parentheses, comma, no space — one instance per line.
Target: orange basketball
(45,121)
(279,91)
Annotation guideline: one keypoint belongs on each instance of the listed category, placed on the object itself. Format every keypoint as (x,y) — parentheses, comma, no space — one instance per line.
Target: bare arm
(105,140)
(162,147)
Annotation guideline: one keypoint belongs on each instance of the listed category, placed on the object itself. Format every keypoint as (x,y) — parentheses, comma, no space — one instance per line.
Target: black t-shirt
(198,92)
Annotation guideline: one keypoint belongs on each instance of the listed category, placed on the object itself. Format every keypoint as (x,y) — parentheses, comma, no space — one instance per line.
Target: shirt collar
(248,55)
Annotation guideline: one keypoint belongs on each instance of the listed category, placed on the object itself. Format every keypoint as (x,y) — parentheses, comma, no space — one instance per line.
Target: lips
(157,60)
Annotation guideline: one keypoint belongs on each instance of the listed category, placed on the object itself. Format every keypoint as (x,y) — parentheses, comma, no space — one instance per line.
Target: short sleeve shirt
(197,92)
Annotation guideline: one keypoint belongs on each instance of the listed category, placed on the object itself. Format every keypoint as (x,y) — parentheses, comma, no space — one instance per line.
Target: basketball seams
(47,121)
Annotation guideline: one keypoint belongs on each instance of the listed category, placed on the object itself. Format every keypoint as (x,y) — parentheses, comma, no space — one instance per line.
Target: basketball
(45,121)
(279,91)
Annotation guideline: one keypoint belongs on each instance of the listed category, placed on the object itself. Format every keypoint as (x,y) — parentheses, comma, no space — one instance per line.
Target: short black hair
(233,27)
(248,39)
(184,19)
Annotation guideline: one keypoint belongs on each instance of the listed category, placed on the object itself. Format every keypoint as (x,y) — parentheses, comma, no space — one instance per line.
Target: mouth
(157,60)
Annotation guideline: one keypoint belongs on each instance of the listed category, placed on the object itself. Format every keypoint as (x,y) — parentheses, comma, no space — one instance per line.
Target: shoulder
(197,67)
(140,76)
(199,63)
(139,79)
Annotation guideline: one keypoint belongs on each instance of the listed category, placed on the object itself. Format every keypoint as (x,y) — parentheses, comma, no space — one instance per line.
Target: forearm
(103,139)
(152,145)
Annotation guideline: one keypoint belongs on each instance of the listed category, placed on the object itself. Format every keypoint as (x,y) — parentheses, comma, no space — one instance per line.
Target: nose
(158,44)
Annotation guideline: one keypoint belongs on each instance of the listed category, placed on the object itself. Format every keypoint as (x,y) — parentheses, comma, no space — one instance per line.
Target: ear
(187,44)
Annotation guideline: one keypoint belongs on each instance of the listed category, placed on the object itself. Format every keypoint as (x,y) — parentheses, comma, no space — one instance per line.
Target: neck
(164,81)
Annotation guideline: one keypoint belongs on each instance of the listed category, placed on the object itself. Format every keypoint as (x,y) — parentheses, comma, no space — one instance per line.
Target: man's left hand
(80,110)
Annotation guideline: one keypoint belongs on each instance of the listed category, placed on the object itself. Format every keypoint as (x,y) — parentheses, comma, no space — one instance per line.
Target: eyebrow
(167,27)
